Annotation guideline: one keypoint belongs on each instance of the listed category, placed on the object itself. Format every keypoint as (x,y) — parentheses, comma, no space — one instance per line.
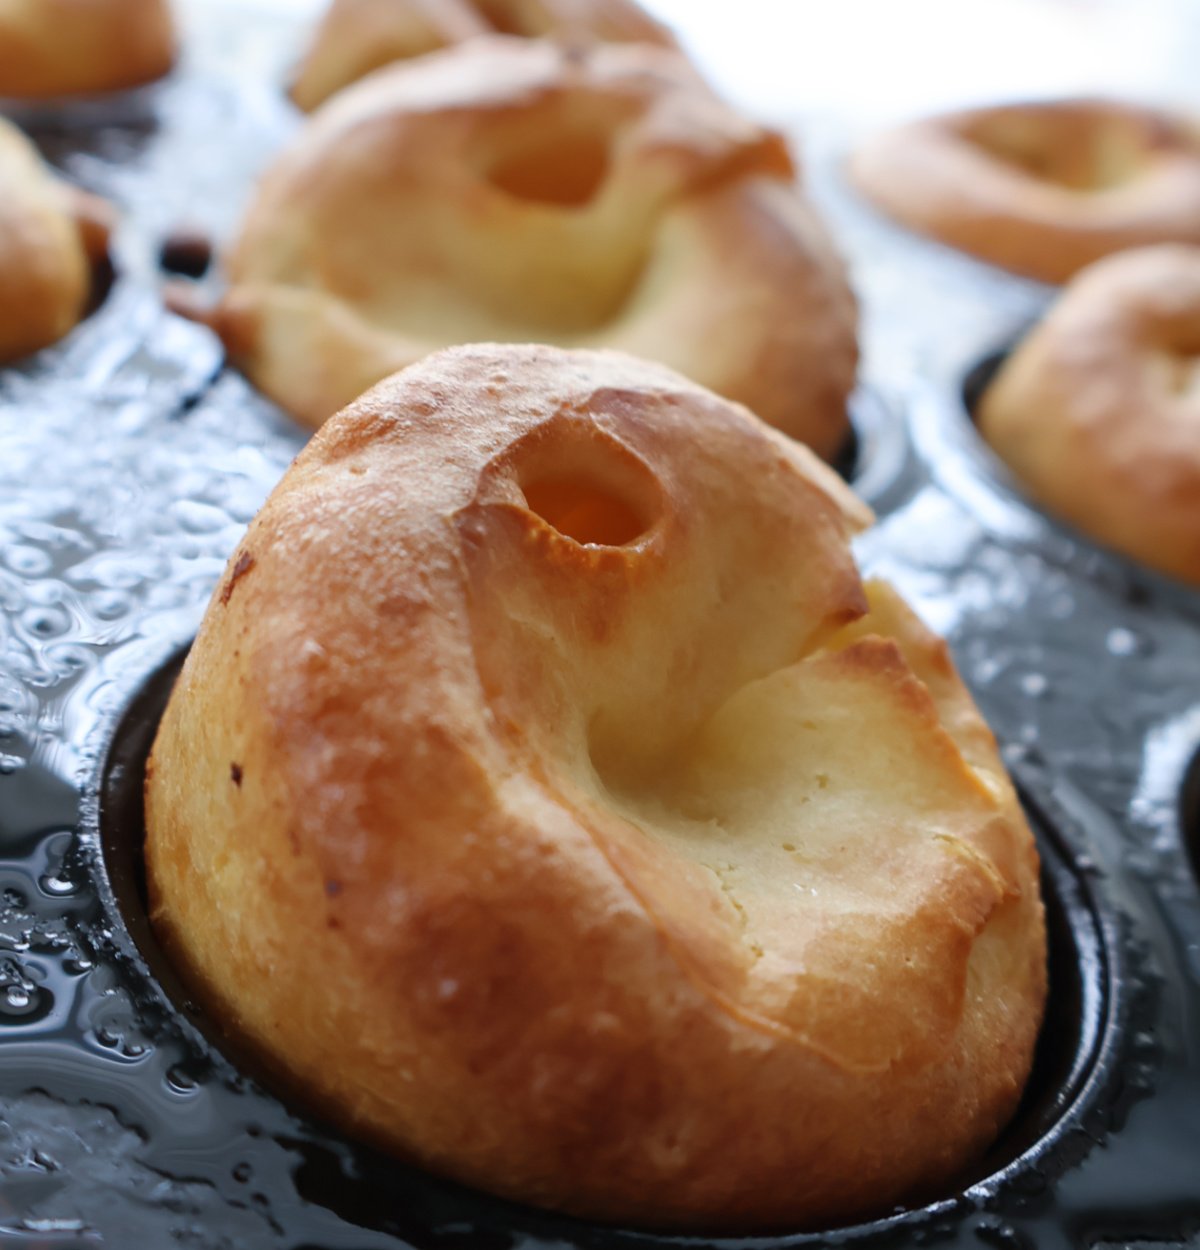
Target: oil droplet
(1003,1236)
(29,561)
(181,1081)
(53,1225)
(987,670)
(1124,642)
(108,605)
(46,622)
(1062,606)
(23,1003)
(68,657)
(1035,685)
(44,938)
(56,886)
(200,518)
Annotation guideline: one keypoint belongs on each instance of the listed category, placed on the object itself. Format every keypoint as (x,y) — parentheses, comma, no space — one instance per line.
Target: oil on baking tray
(554,818)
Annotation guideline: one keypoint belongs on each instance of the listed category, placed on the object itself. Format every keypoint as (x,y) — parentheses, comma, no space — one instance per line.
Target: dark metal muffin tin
(130,461)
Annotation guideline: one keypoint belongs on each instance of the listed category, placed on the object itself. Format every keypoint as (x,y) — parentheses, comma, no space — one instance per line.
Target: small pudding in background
(518,191)
(546,799)
(1097,411)
(358,36)
(53,48)
(1040,189)
(53,239)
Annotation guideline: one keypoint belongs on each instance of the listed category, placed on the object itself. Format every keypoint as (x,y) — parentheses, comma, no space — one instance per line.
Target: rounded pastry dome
(652,867)
(51,236)
(520,191)
(358,36)
(65,47)
(1042,189)
(1097,411)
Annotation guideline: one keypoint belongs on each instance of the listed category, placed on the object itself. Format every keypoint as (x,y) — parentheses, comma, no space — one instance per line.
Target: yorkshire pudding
(1041,189)
(1097,411)
(51,239)
(513,190)
(65,47)
(545,797)
(358,36)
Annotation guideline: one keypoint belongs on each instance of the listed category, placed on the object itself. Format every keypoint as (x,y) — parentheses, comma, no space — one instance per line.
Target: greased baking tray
(130,461)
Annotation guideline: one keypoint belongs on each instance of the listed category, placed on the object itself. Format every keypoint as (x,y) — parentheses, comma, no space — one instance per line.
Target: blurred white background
(865,60)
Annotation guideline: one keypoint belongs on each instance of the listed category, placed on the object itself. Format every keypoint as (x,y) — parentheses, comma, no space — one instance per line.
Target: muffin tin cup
(133,461)
(1078,1056)
(965,466)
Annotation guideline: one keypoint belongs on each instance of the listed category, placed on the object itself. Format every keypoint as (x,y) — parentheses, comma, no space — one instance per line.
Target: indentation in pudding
(781,801)
(506,18)
(1068,149)
(565,167)
(586,486)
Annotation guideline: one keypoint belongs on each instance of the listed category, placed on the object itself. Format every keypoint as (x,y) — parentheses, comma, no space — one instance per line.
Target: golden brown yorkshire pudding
(1041,189)
(512,190)
(69,47)
(650,869)
(1098,410)
(51,239)
(358,36)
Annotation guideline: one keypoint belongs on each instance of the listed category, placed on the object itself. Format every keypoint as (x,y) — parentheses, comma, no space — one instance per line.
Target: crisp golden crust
(1098,409)
(1041,189)
(546,798)
(50,238)
(358,36)
(512,190)
(54,48)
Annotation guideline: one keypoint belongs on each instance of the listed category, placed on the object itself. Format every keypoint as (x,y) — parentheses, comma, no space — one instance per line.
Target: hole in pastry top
(1075,148)
(584,509)
(585,484)
(565,166)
